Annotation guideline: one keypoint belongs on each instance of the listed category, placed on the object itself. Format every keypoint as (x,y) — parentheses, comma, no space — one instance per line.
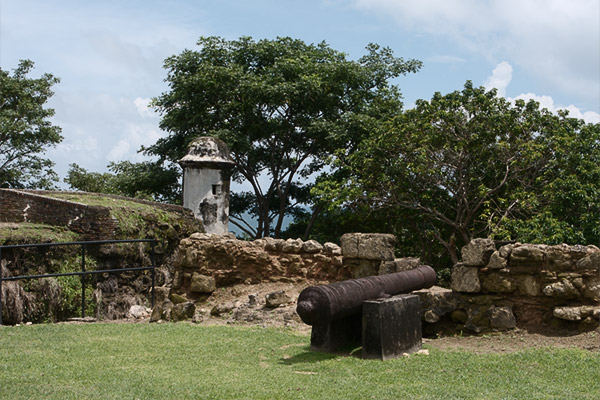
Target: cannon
(362,310)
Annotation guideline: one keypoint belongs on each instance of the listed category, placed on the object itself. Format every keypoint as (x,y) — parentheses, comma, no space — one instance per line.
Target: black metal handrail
(83,273)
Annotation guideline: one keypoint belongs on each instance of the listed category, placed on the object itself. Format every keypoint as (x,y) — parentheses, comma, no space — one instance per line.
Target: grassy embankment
(181,361)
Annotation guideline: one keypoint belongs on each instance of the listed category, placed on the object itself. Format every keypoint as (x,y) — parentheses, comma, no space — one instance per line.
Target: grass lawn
(184,361)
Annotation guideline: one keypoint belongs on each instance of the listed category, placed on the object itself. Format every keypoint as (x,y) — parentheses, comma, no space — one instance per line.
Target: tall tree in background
(25,129)
(471,164)
(282,106)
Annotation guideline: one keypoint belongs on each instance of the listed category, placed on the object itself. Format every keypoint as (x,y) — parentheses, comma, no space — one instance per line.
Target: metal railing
(83,273)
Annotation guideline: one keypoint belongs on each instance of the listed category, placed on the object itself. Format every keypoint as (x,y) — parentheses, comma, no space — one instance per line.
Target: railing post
(0,286)
(153,243)
(83,281)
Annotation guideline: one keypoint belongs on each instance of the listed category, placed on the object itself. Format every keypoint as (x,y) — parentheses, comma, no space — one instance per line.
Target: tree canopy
(147,180)
(470,164)
(282,106)
(25,129)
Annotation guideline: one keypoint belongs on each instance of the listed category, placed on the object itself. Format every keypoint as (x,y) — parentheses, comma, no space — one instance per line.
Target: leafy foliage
(282,106)
(25,130)
(470,164)
(146,180)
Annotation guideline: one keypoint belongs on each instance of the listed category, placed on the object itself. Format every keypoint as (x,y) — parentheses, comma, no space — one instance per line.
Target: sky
(109,54)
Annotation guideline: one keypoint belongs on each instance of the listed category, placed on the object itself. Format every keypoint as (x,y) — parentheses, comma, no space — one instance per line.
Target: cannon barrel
(324,303)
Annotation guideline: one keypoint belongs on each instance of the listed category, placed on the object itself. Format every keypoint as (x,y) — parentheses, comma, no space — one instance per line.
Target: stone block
(502,318)
(527,255)
(276,299)
(202,283)
(529,285)
(368,246)
(312,246)
(498,283)
(332,249)
(360,268)
(465,279)
(477,252)
(391,327)
(496,261)
(292,246)
(183,311)
(562,291)
(568,313)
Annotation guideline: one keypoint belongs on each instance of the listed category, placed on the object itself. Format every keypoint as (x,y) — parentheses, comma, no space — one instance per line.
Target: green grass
(35,233)
(183,361)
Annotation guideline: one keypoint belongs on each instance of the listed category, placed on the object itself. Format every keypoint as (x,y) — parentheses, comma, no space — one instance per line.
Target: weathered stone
(222,308)
(502,318)
(312,246)
(276,299)
(568,313)
(590,262)
(362,268)
(183,311)
(498,283)
(202,283)
(563,290)
(252,299)
(162,311)
(292,246)
(497,262)
(431,317)
(368,246)
(332,249)
(527,255)
(459,316)
(440,301)
(465,279)
(399,265)
(558,257)
(177,298)
(478,318)
(478,252)
(591,289)
(529,285)
(505,250)
(138,312)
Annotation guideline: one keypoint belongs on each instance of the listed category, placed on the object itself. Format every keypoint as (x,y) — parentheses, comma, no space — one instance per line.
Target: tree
(25,131)
(147,180)
(564,204)
(282,106)
(459,166)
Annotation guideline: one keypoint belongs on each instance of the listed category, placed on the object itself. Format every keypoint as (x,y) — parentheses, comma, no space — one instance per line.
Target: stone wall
(31,206)
(536,287)
(203,262)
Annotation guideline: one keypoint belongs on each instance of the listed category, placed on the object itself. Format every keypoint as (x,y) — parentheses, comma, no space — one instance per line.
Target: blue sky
(109,54)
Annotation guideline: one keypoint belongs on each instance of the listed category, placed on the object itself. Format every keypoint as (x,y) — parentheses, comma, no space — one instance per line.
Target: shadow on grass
(312,356)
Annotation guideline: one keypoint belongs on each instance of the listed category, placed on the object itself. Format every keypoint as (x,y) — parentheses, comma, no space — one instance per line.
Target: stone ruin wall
(536,287)
(31,206)
(93,222)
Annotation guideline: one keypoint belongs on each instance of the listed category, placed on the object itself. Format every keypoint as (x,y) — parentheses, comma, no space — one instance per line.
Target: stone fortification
(536,287)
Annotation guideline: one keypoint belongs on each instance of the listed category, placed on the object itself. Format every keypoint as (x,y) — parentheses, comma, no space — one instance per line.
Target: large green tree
(471,164)
(282,106)
(25,129)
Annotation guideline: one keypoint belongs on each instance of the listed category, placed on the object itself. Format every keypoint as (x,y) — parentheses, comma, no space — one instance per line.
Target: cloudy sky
(109,54)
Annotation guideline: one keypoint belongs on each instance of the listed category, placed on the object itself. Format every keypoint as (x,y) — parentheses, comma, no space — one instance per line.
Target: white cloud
(548,103)
(554,40)
(500,78)
(142,106)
